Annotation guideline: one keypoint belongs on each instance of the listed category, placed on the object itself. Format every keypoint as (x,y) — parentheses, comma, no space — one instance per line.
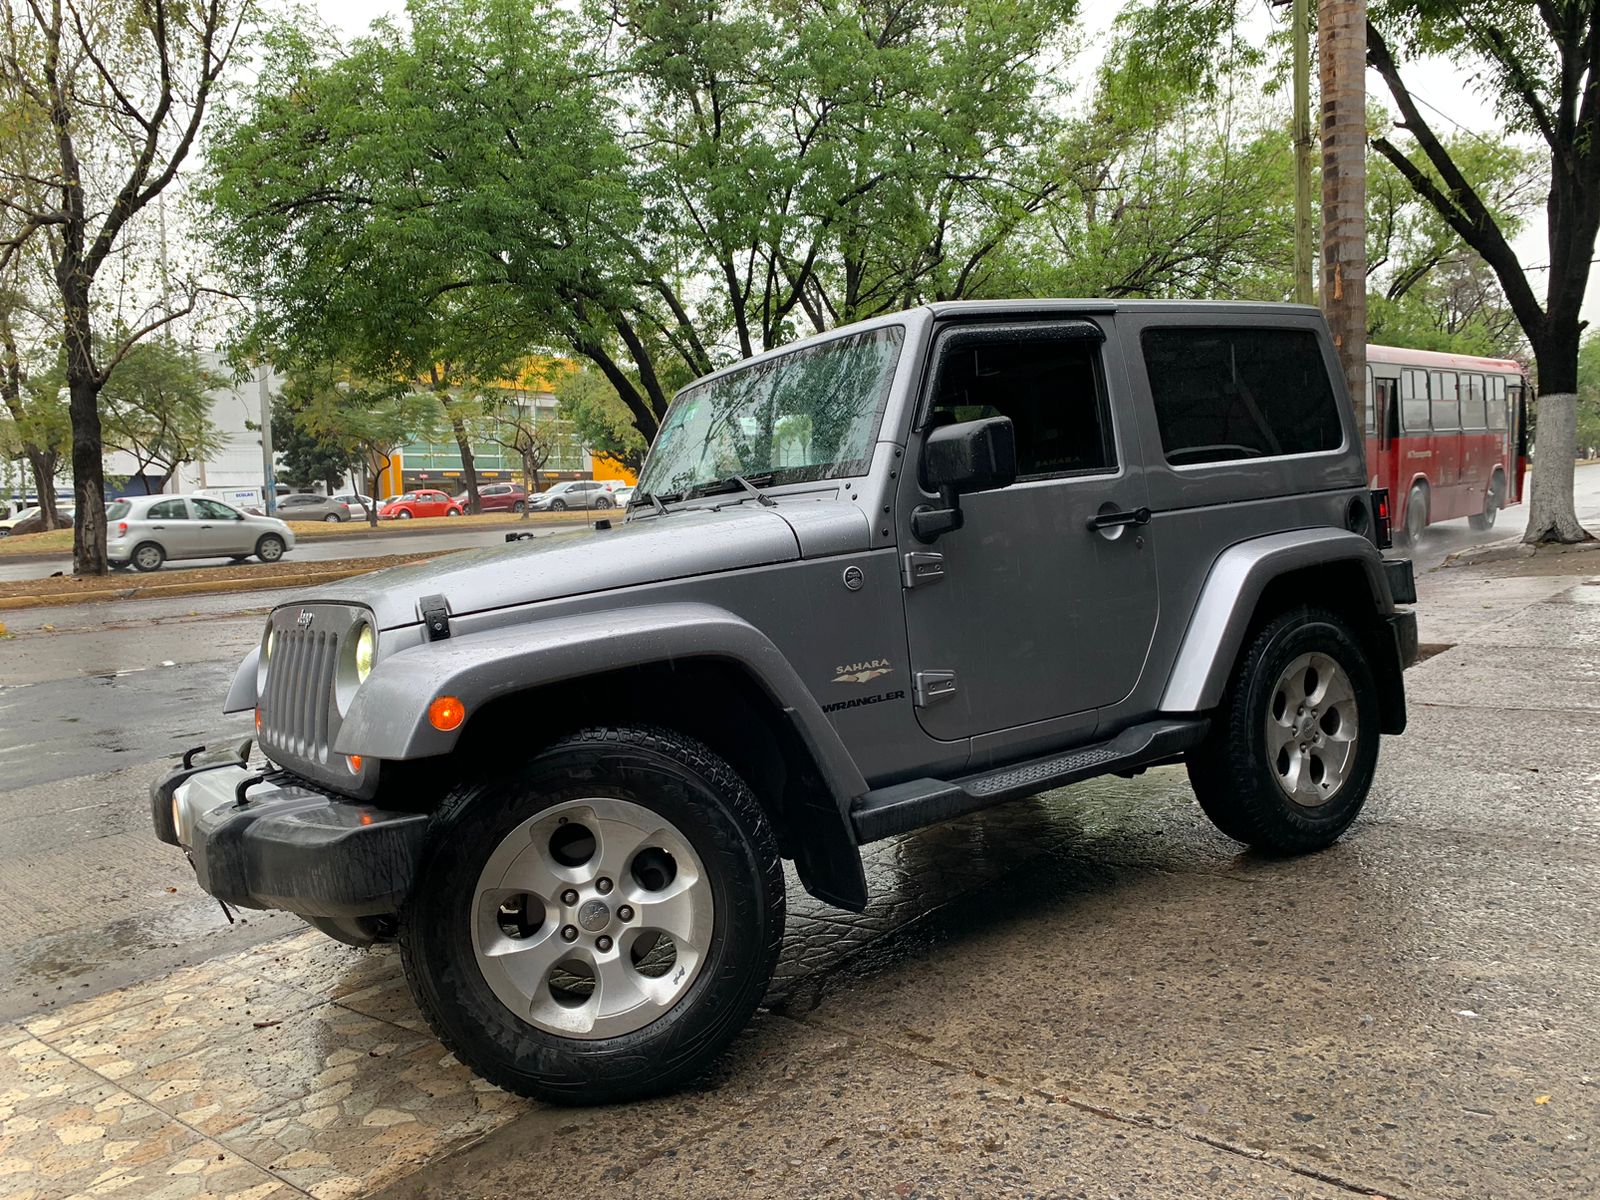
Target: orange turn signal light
(353,761)
(446,714)
(258,720)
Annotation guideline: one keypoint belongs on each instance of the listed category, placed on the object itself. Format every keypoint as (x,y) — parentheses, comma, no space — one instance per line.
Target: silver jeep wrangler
(869,582)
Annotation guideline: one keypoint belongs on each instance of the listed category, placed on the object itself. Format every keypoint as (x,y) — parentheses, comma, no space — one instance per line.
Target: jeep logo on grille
(305,618)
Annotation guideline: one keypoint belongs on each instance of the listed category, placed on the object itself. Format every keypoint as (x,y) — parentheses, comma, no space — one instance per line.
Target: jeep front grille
(299,695)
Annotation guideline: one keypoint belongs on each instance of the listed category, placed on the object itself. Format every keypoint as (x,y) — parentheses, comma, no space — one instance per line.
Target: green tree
(367,421)
(123,87)
(1535,62)
(154,407)
(1589,396)
(305,459)
(601,421)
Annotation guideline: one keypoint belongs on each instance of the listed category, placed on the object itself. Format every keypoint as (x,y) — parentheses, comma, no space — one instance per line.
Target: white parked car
(145,531)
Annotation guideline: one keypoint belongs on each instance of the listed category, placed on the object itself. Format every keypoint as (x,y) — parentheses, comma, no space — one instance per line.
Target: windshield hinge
(435,617)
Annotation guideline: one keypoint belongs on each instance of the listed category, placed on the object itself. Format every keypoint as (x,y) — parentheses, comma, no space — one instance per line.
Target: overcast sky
(1440,87)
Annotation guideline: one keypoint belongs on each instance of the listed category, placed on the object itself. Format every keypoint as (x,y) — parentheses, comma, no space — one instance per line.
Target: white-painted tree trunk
(1551,516)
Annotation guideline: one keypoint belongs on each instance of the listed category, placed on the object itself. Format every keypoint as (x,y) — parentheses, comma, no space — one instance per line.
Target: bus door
(1513,417)
(1446,500)
(1480,449)
(1383,427)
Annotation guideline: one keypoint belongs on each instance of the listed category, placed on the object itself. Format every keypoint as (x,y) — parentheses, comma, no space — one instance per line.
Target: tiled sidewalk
(301,1067)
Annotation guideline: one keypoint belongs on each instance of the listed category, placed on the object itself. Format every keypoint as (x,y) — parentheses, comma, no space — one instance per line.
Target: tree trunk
(43,465)
(469,466)
(1342,43)
(88,470)
(1552,516)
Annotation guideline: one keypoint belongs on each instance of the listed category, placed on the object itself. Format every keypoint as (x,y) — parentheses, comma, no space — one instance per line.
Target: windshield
(810,414)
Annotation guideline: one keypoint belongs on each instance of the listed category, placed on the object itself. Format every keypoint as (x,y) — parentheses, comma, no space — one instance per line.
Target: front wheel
(596,925)
(404,514)
(270,548)
(452,512)
(559,505)
(519,507)
(1293,747)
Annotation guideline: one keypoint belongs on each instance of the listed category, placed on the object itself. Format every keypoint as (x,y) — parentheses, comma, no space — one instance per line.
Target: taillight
(1382,531)
(122,528)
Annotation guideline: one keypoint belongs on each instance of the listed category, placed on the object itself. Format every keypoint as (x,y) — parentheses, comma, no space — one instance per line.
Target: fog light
(446,714)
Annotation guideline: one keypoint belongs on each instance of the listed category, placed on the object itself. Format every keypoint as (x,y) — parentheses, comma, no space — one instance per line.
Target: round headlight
(365,643)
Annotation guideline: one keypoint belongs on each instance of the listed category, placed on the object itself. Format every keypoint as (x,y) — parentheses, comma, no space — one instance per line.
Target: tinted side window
(1048,386)
(168,510)
(1414,401)
(1228,394)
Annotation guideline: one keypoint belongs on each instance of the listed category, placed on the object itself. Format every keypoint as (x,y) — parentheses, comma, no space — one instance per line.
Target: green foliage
(305,459)
(600,419)
(1589,395)
(154,407)
(358,421)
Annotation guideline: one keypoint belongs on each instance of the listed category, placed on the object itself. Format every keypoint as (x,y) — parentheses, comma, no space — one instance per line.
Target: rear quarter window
(1236,393)
(118,509)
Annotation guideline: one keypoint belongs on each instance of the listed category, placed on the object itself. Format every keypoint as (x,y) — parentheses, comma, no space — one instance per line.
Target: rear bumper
(286,845)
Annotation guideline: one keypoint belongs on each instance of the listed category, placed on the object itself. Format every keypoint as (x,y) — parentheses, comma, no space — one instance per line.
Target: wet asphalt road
(1092,993)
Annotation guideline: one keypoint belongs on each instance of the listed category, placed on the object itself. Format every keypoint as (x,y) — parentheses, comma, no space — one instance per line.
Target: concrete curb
(198,587)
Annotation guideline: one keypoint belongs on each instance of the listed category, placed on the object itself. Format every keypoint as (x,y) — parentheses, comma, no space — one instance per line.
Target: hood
(646,550)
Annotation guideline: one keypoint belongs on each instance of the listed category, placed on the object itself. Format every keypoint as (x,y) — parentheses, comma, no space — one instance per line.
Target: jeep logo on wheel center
(572,812)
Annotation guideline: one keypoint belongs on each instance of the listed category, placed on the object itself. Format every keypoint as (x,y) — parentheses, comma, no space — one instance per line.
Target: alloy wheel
(592,919)
(1312,729)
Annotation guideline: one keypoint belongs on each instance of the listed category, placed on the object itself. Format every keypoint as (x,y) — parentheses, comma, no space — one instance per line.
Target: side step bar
(902,807)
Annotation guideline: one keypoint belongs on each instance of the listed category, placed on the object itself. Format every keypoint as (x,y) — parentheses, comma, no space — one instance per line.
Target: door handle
(1110,520)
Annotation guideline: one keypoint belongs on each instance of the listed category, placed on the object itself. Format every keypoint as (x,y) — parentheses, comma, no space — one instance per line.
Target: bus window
(1446,405)
(1372,406)
(1497,402)
(1473,413)
(1414,401)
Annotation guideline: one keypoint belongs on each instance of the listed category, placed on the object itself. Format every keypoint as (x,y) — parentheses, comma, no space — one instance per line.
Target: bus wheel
(1484,521)
(1416,514)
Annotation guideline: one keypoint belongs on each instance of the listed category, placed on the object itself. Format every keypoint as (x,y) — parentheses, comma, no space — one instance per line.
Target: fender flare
(1228,599)
(388,717)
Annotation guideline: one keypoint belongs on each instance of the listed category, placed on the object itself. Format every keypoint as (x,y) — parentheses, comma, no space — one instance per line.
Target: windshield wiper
(649,498)
(729,483)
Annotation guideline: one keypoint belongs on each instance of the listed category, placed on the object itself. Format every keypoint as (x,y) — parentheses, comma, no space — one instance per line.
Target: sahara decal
(862,672)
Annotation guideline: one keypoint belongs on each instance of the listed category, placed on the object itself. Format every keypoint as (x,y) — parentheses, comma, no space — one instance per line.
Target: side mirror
(974,456)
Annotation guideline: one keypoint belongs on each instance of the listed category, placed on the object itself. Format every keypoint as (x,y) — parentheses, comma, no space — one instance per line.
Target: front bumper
(280,843)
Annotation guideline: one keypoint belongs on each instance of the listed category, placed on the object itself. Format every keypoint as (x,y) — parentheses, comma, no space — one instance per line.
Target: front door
(1026,613)
(171,525)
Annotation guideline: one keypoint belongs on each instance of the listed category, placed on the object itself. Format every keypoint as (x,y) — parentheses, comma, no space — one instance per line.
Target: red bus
(1446,434)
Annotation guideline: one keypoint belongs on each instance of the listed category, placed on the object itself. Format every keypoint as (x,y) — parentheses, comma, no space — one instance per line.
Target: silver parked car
(305,506)
(145,531)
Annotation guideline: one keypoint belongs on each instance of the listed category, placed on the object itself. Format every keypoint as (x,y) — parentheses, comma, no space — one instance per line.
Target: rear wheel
(333,517)
(148,556)
(602,502)
(1294,744)
(1484,521)
(270,548)
(598,924)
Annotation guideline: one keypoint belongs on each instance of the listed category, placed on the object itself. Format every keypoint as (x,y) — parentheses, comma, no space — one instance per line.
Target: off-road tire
(683,781)
(1232,776)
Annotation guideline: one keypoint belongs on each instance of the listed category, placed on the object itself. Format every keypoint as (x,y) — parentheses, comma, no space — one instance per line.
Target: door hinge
(921,566)
(929,687)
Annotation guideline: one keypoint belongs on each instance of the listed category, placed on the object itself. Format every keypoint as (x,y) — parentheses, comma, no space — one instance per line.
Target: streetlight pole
(270,490)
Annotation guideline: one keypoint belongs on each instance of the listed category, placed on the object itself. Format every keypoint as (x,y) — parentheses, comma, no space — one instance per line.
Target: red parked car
(422,503)
(498,497)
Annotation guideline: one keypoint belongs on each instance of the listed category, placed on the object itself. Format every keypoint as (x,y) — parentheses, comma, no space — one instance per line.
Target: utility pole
(1342,51)
(270,491)
(1304,244)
